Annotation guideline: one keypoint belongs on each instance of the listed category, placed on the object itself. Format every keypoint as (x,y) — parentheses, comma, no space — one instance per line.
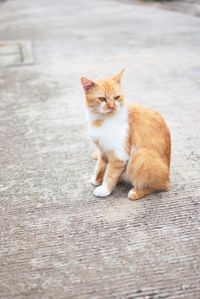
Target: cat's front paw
(102,191)
(93,181)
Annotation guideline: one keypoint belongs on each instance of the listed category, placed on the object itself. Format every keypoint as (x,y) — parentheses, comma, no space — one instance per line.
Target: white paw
(101,191)
(93,181)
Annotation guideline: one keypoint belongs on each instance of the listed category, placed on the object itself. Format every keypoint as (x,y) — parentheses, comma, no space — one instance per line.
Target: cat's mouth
(110,110)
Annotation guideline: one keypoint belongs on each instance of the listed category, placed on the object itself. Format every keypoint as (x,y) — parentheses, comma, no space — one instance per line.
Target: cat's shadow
(122,189)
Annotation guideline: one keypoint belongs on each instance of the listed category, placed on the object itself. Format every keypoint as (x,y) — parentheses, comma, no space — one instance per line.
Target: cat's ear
(87,84)
(118,77)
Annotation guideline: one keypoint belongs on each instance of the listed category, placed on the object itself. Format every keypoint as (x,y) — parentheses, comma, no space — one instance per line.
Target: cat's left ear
(117,78)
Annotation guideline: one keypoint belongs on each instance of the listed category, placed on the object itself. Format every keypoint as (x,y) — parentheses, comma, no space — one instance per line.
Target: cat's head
(104,96)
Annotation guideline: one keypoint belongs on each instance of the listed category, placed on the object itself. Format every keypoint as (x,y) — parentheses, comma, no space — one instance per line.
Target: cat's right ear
(117,78)
(87,84)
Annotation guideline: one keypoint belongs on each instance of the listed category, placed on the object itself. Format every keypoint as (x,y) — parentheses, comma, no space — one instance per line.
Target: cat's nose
(111,105)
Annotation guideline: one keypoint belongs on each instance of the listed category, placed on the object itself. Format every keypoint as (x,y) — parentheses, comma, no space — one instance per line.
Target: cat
(133,142)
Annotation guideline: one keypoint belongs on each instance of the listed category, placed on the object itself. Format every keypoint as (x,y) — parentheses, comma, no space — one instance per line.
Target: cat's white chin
(103,111)
(102,191)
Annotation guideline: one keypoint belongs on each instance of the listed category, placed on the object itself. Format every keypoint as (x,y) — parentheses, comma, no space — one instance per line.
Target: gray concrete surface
(57,240)
(185,6)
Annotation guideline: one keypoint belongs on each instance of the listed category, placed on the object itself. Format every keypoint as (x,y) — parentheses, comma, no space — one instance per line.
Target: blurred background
(186,6)
(56,239)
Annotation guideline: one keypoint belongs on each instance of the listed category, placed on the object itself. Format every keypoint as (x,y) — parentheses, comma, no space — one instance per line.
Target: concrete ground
(56,239)
(185,6)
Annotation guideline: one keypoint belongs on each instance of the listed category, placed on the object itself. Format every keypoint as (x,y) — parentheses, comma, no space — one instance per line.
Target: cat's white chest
(112,134)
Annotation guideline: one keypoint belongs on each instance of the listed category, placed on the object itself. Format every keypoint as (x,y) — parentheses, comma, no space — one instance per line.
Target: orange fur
(97,123)
(114,169)
(147,144)
(148,167)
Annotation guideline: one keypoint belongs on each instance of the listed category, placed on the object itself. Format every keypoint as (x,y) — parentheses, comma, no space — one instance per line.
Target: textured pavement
(56,239)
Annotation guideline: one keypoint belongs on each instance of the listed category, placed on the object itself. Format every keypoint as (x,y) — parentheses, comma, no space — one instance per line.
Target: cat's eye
(116,98)
(102,99)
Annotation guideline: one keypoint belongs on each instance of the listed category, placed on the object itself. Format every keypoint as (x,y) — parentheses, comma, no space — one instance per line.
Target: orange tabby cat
(133,141)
